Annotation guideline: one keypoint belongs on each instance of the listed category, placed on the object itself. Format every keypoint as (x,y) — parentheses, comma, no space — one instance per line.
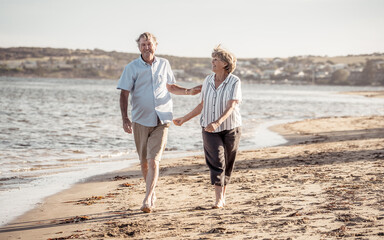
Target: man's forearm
(124,104)
(178,90)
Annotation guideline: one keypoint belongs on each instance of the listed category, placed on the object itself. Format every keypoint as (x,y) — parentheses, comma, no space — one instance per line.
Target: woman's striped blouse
(215,101)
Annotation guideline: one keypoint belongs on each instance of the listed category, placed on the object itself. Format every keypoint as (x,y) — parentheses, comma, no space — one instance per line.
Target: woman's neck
(220,77)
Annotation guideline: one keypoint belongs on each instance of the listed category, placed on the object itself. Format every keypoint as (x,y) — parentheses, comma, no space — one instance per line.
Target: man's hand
(195,90)
(127,125)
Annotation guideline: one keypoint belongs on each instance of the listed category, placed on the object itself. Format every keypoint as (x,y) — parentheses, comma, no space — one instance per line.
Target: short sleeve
(126,79)
(170,76)
(237,95)
(203,89)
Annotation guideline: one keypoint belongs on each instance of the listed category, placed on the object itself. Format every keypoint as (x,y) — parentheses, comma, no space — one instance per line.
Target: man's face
(147,48)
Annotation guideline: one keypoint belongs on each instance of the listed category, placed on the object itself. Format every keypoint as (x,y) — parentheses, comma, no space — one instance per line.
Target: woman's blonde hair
(226,57)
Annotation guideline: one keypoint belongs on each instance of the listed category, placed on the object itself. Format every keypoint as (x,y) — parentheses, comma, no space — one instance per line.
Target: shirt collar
(223,83)
(143,62)
(227,78)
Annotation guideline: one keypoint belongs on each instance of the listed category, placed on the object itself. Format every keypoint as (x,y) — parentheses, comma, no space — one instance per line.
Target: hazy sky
(248,28)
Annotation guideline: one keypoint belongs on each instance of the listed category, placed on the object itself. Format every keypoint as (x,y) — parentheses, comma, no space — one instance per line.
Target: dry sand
(326,183)
(371,94)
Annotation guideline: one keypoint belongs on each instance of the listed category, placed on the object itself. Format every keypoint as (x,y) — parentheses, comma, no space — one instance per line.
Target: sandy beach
(325,183)
(372,94)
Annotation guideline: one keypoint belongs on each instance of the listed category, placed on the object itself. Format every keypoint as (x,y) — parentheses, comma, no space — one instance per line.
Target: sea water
(56,132)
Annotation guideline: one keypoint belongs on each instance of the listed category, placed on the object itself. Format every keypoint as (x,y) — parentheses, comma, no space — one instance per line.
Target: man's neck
(149,61)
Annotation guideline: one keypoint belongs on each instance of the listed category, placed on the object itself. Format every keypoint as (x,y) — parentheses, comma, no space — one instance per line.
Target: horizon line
(303,55)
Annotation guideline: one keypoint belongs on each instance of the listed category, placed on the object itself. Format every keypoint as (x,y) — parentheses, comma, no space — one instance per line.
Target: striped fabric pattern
(215,101)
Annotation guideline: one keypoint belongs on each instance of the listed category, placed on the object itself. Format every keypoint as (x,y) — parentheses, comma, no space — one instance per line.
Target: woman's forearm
(196,111)
(227,112)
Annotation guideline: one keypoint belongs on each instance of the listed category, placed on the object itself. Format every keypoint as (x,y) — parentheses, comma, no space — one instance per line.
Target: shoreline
(369,94)
(291,190)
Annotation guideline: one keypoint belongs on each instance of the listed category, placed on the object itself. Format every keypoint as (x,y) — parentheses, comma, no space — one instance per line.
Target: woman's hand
(178,121)
(212,126)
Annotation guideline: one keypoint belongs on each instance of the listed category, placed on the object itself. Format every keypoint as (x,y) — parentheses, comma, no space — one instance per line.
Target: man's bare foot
(146,209)
(219,204)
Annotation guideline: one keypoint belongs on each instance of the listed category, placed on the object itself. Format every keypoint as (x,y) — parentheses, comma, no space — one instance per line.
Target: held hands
(127,125)
(178,121)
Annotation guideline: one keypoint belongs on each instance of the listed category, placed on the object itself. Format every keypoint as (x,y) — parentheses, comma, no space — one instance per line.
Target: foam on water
(16,201)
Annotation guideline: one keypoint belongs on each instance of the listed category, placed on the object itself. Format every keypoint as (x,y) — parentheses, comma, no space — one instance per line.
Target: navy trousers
(220,153)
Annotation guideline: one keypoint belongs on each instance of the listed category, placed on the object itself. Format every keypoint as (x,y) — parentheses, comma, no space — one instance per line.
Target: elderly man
(149,80)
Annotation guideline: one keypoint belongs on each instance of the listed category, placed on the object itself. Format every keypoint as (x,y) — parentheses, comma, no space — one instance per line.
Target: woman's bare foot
(220,200)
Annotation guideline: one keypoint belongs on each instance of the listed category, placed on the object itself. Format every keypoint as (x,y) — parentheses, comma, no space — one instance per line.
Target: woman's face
(218,65)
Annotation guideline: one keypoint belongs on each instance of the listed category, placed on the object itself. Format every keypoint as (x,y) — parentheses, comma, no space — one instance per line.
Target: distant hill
(68,63)
(98,64)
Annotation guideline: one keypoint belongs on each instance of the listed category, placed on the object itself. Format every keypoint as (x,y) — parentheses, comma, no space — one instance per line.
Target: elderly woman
(220,120)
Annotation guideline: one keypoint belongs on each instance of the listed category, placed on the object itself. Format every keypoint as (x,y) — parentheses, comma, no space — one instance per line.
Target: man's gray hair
(147,36)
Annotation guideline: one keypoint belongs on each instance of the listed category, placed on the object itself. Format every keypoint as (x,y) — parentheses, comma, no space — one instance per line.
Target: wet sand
(326,183)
